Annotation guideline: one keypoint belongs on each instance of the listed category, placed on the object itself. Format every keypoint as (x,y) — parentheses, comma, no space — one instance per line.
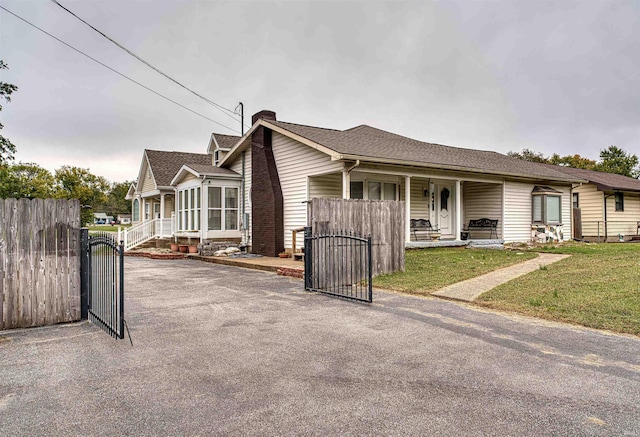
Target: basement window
(546,206)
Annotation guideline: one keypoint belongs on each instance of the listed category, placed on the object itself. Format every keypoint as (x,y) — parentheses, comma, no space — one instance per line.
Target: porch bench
(422,226)
(484,224)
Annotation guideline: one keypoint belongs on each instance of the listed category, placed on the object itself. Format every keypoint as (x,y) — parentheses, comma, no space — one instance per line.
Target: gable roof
(367,143)
(222,141)
(200,170)
(164,165)
(604,181)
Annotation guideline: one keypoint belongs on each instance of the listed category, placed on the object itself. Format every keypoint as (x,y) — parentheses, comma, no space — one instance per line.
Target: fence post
(370,273)
(121,294)
(84,273)
(307,257)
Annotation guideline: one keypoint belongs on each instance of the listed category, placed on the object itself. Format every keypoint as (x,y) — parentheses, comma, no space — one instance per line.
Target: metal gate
(338,264)
(103,274)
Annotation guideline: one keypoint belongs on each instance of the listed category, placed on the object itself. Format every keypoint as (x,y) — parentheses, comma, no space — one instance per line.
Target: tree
(79,183)
(27,180)
(529,155)
(616,160)
(575,161)
(115,202)
(7,148)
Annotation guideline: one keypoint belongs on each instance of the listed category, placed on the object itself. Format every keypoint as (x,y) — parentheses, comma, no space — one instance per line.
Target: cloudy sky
(554,76)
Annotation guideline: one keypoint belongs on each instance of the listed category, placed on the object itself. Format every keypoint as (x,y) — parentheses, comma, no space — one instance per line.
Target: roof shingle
(165,165)
(605,181)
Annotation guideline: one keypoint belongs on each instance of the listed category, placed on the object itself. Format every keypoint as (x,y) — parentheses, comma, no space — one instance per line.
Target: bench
(482,224)
(423,226)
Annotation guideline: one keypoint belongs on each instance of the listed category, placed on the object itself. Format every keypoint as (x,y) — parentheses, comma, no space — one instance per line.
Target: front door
(444,209)
(156,210)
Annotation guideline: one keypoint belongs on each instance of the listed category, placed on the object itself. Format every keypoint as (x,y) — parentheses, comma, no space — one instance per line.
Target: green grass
(106,228)
(428,270)
(597,287)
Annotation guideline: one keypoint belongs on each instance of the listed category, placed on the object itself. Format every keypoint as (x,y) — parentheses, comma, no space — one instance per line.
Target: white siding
(295,162)
(480,200)
(517,211)
(326,186)
(246,196)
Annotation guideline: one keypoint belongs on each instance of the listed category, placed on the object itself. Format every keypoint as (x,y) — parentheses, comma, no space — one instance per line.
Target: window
(146,210)
(576,201)
(223,208)
(619,202)
(216,157)
(136,210)
(189,209)
(375,190)
(546,208)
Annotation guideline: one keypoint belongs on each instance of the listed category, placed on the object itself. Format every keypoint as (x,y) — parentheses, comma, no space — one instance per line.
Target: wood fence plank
(3,259)
(11,302)
(74,259)
(24,263)
(40,285)
(50,261)
(62,239)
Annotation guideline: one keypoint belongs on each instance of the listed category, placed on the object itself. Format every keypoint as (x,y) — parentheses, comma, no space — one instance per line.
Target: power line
(219,107)
(117,72)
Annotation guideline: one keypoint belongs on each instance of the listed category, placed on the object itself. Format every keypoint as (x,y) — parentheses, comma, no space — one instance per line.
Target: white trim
(458,209)
(407,208)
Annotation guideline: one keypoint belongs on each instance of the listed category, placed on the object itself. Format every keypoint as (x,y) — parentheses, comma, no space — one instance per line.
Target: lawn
(428,270)
(598,287)
(106,228)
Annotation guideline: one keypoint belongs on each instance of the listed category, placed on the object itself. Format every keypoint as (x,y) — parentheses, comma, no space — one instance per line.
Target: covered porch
(447,200)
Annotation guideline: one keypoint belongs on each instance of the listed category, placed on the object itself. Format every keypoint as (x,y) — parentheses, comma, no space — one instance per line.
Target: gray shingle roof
(604,181)
(368,142)
(165,165)
(211,170)
(226,141)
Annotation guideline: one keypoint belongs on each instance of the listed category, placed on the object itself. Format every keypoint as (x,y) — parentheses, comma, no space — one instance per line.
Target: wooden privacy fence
(383,220)
(39,262)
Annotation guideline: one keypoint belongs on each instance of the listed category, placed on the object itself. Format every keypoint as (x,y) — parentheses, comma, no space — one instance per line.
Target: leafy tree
(7,148)
(80,183)
(529,155)
(26,180)
(115,202)
(575,161)
(616,160)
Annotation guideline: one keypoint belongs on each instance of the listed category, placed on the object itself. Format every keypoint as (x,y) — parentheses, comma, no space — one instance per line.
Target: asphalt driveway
(224,350)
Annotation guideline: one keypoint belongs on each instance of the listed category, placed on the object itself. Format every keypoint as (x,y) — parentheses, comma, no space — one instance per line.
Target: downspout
(353,166)
(346,180)
(245,225)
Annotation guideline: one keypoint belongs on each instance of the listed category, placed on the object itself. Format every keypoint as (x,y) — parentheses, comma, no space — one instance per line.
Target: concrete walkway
(472,288)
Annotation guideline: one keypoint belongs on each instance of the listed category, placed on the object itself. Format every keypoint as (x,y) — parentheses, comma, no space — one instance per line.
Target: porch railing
(145,231)
(610,229)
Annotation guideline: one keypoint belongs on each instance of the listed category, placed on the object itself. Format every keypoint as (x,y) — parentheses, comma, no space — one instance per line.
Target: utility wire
(117,72)
(220,107)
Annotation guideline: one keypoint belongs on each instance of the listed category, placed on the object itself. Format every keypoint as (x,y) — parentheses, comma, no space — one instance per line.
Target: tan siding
(419,203)
(326,186)
(169,204)
(295,161)
(591,211)
(480,200)
(147,182)
(517,213)
(623,222)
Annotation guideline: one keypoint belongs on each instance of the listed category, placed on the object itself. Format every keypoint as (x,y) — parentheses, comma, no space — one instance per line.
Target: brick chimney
(267,210)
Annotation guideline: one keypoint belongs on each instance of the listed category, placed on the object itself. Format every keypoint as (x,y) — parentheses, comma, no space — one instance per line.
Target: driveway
(224,350)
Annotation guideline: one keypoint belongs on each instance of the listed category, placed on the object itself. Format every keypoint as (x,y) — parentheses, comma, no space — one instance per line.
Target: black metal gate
(338,264)
(103,282)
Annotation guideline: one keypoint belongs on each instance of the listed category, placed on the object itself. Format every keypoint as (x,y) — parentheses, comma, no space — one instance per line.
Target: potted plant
(284,255)
(193,248)
(174,245)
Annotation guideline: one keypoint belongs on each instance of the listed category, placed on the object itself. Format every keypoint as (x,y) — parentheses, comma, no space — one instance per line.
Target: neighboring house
(124,219)
(153,197)
(101,218)
(258,190)
(609,204)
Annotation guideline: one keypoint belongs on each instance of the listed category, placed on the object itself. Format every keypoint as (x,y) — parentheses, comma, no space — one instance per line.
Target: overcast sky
(552,76)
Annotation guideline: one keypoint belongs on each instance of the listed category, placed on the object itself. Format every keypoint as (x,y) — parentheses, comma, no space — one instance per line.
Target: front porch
(449,201)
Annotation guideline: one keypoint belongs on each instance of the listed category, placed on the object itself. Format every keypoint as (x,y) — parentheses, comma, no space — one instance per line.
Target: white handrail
(140,233)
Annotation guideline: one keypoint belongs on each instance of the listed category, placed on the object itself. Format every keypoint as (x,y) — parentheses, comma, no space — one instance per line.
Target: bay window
(222,208)
(546,206)
(189,209)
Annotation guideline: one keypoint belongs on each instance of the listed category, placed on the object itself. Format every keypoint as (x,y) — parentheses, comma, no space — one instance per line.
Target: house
(253,189)
(124,219)
(101,218)
(153,196)
(608,205)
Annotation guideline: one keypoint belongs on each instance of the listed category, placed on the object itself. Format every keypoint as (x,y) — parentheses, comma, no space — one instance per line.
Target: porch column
(162,214)
(407,208)
(346,184)
(458,210)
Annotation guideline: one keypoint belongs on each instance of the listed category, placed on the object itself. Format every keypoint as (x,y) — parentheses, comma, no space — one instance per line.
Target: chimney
(267,210)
